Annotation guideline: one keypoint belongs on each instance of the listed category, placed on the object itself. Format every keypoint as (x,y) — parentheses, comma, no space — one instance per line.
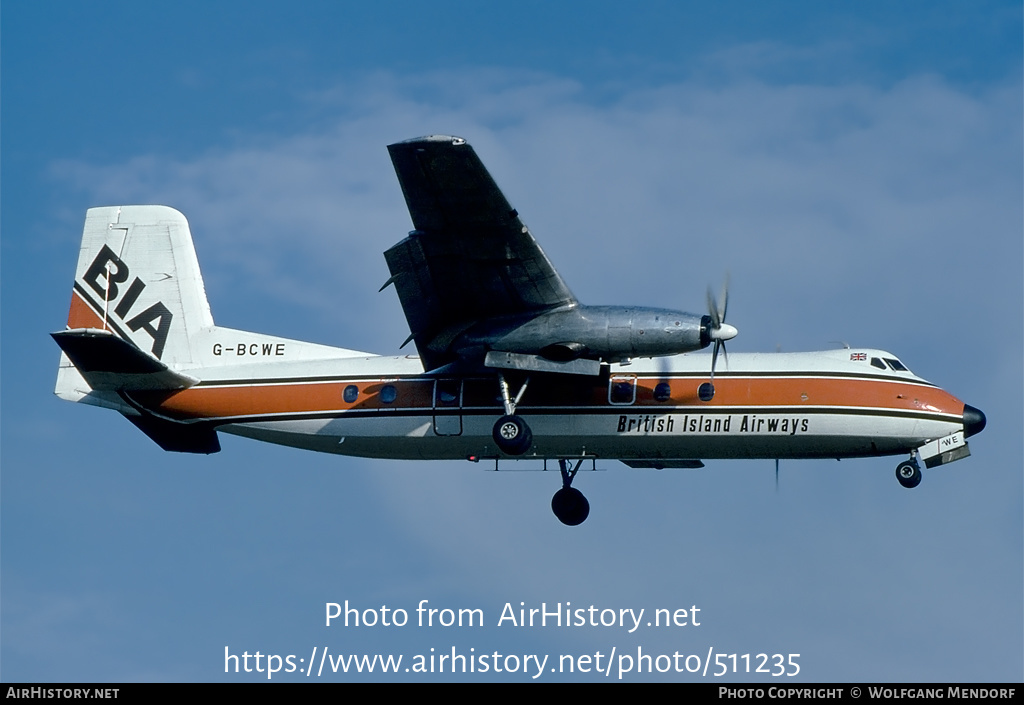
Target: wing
(470,257)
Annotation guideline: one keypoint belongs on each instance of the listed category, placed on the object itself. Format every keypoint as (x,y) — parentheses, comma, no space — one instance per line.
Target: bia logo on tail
(155,320)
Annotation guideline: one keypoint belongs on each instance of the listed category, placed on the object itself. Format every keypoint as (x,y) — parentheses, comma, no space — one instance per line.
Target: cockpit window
(622,389)
(896,365)
(875,362)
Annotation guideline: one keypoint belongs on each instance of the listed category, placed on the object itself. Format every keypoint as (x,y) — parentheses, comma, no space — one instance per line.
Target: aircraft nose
(974,420)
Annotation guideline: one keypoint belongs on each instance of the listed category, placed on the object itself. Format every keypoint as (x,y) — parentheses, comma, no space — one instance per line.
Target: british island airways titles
(712,423)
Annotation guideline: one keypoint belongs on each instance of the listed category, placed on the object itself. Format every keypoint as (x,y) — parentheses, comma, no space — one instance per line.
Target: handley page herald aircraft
(510,364)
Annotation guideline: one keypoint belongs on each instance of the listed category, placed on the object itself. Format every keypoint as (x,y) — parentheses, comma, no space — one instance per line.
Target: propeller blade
(716,318)
(714,360)
(725,297)
(720,332)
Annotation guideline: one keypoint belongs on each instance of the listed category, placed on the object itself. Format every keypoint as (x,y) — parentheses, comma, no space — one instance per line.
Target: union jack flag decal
(858,356)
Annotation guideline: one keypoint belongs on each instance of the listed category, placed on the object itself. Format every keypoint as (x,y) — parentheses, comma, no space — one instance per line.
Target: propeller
(718,331)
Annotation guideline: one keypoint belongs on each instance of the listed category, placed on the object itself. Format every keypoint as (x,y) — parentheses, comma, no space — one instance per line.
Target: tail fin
(137,303)
(138,277)
(140,321)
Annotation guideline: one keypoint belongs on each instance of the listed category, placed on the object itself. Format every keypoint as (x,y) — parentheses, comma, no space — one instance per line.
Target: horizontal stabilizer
(110,363)
(178,437)
(536,363)
(663,463)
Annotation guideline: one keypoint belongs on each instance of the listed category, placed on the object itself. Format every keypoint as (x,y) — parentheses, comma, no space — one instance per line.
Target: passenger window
(447,392)
(350,394)
(662,392)
(388,393)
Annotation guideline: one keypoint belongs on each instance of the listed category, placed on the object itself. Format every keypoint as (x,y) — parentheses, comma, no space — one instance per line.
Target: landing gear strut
(569,504)
(909,473)
(511,433)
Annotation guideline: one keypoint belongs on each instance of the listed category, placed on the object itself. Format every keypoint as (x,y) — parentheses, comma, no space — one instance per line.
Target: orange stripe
(255,400)
(81,315)
(220,402)
(807,391)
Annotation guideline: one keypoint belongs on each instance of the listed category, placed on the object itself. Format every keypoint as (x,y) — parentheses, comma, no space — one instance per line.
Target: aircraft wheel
(570,506)
(512,435)
(909,474)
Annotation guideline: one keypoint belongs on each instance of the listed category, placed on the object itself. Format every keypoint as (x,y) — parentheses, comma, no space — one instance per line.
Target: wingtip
(451,139)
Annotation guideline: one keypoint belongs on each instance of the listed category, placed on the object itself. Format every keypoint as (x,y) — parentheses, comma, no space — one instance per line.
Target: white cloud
(822,201)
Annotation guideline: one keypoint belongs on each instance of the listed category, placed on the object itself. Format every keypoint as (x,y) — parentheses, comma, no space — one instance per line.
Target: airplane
(510,364)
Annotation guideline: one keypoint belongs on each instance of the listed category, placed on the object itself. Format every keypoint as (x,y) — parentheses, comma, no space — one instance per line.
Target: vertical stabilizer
(137,305)
(138,277)
(139,323)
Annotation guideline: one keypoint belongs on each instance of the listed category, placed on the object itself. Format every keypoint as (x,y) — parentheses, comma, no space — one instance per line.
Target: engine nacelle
(607,333)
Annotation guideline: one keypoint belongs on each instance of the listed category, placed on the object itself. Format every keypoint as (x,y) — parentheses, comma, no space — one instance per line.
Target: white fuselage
(838,403)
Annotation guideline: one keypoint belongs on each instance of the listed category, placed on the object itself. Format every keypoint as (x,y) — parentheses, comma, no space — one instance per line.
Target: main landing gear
(511,433)
(909,473)
(513,436)
(569,504)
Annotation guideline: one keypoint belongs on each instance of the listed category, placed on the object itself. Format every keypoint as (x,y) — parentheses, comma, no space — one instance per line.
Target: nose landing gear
(909,473)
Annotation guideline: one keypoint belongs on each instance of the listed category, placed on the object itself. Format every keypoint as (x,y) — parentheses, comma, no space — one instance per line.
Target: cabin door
(448,407)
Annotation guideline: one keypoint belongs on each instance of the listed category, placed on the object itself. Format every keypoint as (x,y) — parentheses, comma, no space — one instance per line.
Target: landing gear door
(448,407)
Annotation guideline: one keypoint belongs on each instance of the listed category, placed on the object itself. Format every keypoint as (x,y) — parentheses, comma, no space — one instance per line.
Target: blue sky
(855,168)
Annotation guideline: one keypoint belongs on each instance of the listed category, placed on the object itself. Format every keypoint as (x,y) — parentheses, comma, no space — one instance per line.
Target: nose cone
(724,332)
(974,420)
